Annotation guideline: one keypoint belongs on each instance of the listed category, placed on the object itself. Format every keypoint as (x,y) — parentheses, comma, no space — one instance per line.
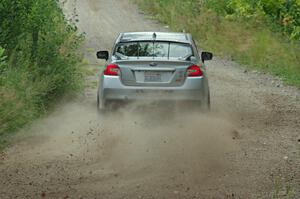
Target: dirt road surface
(248,147)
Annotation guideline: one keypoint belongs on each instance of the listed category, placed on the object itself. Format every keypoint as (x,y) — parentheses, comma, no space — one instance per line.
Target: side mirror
(103,55)
(205,56)
(193,59)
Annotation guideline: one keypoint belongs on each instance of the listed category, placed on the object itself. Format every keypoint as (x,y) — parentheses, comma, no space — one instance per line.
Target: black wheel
(208,101)
(100,107)
(205,104)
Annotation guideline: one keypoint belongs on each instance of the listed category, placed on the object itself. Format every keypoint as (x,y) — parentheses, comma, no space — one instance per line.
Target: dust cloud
(160,137)
(138,148)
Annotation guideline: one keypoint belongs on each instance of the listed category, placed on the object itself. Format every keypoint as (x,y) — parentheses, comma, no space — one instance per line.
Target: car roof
(157,36)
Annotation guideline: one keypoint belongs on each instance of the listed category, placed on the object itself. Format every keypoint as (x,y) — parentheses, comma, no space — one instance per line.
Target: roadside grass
(283,189)
(40,62)
(249,42)
(22,101)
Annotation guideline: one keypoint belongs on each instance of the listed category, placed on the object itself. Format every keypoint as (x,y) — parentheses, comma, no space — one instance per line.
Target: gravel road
(248,147)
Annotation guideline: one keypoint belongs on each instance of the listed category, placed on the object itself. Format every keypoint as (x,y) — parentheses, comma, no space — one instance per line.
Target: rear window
(153,49)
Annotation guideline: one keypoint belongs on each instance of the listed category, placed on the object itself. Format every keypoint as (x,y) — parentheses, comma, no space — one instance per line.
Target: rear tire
(105,106)
(205,104)
(100,105)
(208,101)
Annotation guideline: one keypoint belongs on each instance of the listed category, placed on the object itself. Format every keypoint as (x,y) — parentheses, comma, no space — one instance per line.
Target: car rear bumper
(195,88)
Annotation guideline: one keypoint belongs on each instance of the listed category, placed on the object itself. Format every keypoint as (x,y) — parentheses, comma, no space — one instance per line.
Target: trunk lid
(153,73)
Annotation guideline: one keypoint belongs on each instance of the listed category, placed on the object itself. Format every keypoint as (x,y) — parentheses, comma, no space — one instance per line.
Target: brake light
(194,71)
(112,70)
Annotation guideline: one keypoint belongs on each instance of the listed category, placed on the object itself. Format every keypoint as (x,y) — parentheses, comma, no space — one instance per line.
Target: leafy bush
(279,14)
(233,28)
(2,60)
(41,60)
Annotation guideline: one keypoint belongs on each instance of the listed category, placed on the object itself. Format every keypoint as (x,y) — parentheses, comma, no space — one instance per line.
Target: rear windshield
(153,49)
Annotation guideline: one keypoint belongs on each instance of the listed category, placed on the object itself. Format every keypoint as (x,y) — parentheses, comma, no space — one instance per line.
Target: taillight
(194,71)
(112,70)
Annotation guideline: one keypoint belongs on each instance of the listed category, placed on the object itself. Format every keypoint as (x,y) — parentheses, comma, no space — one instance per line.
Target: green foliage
(246,37)
(2,60)
(40,62)
(283,15)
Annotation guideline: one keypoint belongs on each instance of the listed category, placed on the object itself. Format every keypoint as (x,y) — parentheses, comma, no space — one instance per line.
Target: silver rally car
(154,66)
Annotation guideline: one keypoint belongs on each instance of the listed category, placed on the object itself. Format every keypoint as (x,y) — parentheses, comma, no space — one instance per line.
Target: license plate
(152,76)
